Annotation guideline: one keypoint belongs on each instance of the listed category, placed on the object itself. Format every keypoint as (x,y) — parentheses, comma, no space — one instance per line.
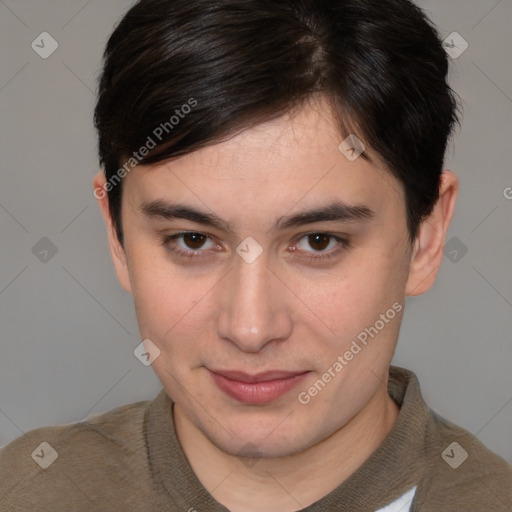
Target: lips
(258,389)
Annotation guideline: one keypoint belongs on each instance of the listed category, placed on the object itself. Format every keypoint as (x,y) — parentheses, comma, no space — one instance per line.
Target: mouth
(258,389)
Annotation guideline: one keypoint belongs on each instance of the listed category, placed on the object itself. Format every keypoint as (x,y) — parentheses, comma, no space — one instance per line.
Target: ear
(429,244)
(116,249)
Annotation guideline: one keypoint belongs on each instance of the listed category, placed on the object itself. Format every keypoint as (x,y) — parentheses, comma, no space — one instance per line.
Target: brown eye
(319,241)
(321,246)
(194,240)
(190,244)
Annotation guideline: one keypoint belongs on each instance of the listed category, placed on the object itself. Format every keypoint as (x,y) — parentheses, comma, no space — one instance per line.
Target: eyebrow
(335,211)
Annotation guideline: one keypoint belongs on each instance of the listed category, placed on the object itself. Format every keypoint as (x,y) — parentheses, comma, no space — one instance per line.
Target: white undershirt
(402,504)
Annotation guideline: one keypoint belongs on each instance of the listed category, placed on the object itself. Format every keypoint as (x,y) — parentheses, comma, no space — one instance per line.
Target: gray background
(68,330)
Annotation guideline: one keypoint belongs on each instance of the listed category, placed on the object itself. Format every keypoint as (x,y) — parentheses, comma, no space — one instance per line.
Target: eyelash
(167,243)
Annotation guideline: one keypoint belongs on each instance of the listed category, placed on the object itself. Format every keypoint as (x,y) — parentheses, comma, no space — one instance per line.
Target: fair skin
(284,311)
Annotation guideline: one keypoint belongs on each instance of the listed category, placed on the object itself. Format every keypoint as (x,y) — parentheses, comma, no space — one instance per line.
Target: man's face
(248,319)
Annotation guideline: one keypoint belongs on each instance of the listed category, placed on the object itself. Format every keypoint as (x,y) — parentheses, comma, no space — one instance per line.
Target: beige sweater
(129,459)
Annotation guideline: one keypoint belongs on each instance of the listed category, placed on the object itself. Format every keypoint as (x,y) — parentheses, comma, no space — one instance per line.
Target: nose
(254,307)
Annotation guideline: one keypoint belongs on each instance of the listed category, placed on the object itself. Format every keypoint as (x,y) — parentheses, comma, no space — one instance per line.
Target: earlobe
(427,254)
(117,251)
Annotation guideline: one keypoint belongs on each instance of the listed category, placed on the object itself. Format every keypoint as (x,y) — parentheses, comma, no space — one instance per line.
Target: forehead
(307,134)
(292,161)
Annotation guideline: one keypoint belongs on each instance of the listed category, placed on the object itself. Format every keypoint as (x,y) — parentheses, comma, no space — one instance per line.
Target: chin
(263,443)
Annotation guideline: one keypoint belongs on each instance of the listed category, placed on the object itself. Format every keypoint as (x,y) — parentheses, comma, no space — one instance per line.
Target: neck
(288,483)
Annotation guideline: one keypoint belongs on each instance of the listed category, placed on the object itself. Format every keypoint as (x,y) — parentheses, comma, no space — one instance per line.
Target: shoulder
(454,470)
(103,448)
(114,430)
(464,474)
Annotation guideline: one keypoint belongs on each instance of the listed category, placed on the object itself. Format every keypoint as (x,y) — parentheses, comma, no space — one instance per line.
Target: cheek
(350,298)
(170,313)
(167,308)
(165,299)
(363,310)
